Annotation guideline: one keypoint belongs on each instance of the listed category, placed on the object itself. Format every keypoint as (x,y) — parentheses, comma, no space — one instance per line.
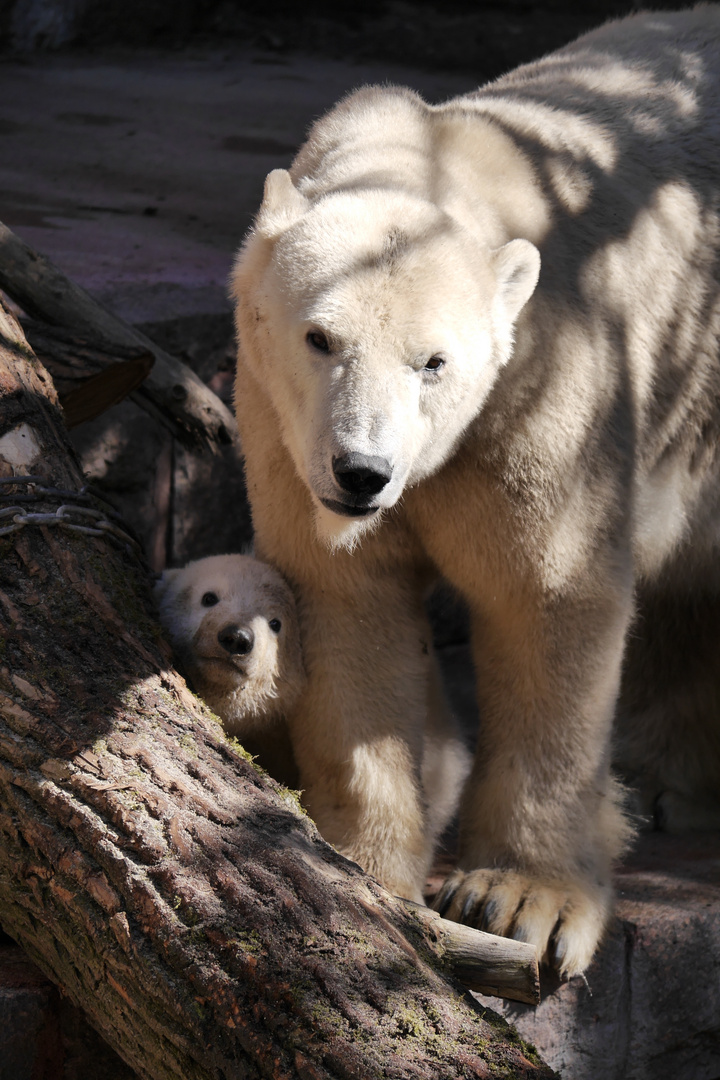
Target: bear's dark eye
(210,599)
(317,339)
(434,363)
(275,625)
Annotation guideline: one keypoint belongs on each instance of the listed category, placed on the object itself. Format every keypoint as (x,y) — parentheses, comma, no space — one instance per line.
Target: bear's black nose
(236,640)
(360,474)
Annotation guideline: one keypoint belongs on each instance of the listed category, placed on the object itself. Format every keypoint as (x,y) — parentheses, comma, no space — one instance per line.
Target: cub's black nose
(236,640)
(360,474)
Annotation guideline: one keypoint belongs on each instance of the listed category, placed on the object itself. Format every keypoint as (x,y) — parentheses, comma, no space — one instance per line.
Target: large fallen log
(174,892)
(171,392)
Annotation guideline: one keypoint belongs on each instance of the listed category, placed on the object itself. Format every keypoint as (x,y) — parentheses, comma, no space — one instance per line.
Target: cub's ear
(282,204)
(163,584)
(517,267)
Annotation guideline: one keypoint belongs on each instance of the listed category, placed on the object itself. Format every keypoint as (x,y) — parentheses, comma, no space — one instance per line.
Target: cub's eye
(275,625)
(210,599)
(318,341)
(434,363)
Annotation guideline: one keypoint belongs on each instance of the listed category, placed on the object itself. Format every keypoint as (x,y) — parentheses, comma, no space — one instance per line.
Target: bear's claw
(445,897)
(564,920)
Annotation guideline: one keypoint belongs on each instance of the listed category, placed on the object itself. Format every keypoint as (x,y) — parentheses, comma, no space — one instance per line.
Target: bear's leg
(667,742)
(446,760)
(541,820)
(358,729)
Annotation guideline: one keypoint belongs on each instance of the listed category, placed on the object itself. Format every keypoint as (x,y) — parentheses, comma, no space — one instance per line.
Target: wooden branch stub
(485,963)
(88,379)
(172,392)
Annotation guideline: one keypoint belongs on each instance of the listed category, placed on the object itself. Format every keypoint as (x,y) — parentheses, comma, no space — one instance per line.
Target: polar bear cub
(233,625)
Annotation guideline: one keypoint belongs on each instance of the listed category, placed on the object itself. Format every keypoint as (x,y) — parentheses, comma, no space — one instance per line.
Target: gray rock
(43,1036)
(651,1005)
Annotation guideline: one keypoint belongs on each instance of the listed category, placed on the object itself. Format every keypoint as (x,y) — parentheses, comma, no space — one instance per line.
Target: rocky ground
(137,171)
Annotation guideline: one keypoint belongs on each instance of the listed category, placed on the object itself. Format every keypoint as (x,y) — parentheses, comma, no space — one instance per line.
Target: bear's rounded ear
(517,268)
(164,583)
(282,204)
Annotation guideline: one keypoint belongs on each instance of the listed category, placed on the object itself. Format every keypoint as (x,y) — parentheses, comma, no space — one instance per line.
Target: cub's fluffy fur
(233,625)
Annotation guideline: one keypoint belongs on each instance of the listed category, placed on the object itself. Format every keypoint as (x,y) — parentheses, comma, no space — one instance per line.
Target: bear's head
(233,625)
(377,323)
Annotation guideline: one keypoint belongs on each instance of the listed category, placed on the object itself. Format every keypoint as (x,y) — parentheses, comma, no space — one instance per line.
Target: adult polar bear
(565,484)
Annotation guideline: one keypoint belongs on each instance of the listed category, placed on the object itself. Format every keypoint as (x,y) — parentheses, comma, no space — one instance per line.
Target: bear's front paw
(564,920)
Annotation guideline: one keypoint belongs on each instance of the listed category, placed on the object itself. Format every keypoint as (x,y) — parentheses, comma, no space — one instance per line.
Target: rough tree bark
(172,890)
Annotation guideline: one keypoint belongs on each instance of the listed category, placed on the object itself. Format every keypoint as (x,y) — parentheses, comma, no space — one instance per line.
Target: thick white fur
(559,469)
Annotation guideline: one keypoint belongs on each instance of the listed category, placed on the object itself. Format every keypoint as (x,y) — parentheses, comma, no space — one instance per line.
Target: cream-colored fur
(222,597)
(233,624)
(415,401)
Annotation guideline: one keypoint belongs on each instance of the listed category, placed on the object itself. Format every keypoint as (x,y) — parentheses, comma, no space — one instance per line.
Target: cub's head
(377,324)
(233,625)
